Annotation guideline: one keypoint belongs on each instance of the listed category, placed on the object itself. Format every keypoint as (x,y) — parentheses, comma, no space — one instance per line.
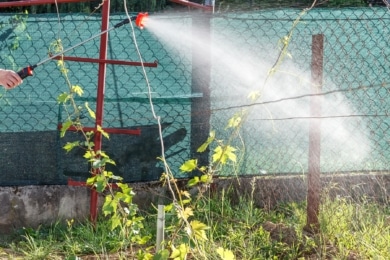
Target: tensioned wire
(149,94)
(308,95)
(79,25)
(155,116)
(166,100)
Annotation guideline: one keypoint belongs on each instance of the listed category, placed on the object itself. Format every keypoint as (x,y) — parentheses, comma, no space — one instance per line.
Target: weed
(36,249)
(348,230)
(357,229)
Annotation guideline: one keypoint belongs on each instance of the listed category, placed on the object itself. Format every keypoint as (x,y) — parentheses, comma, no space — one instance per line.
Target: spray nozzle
(139,21)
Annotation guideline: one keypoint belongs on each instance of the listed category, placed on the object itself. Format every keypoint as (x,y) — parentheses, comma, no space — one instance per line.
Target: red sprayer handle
(139,21)
(26,72)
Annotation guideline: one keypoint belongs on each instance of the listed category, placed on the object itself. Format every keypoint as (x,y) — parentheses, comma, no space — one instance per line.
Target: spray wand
(139,21)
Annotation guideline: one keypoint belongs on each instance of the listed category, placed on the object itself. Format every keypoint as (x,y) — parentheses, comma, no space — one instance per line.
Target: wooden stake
(313,182)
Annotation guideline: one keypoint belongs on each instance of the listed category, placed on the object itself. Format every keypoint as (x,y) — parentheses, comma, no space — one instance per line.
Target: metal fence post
(313,182)
(100,98)
(201,66)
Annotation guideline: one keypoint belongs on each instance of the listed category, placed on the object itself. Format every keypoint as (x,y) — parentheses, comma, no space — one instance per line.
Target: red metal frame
(115,62)
(107,130)
(83,184)
(102,62)
(192,4)
(38,2)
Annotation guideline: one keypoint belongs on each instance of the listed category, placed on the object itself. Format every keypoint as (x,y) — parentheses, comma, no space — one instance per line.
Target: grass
(348,230)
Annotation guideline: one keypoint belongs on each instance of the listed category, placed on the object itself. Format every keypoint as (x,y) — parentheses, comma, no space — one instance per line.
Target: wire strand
(155,116)
(299,97)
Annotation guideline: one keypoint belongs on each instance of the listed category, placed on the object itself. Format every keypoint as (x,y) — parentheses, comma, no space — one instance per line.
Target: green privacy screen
(244,47)
(31,148)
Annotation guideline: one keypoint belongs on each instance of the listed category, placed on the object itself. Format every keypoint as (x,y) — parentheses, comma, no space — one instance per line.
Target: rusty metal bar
(107,130)
(38,2)
(192,4)
(115,62)
(313,182)
(74,183)
(100,99)
(201,78)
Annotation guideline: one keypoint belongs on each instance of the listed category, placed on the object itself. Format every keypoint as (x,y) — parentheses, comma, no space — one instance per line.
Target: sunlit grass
(347,229)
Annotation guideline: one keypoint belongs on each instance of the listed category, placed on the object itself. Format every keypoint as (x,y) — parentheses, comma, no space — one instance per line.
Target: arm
(9,79)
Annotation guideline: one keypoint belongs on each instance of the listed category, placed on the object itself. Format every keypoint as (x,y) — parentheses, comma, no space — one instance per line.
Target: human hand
(9,79)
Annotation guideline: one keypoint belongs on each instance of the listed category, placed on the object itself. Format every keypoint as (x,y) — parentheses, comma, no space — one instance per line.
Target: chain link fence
(244,48)
(32,150)
(355,86)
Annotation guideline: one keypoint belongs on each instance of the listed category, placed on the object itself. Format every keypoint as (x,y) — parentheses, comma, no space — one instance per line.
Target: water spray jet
(139,21)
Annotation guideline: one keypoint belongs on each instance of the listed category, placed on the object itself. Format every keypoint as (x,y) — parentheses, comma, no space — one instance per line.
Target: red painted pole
(37,2)
(117,62)
(100,98)
(192,4)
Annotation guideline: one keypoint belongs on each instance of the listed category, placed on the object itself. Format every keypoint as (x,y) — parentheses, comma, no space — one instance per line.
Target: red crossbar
(117,62)
(107,130)
(192,4)
(84,184)
(37,2)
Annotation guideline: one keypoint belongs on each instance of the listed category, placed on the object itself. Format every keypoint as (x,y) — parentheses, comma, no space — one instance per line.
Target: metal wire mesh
(33,107)
(354,113)
(244,47)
